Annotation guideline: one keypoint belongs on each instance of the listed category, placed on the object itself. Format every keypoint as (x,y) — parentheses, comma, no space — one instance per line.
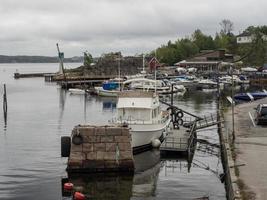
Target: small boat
(140,111)
(250,96)
(108,89)
(106,93)
(77,91)
(227,80)
(161,86)
(186,81)
(206,84)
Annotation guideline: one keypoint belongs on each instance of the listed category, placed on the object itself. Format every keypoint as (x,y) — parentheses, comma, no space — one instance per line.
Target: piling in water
(5,105)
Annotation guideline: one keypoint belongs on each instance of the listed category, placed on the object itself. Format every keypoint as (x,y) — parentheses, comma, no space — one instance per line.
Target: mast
(60,56)
(119,68)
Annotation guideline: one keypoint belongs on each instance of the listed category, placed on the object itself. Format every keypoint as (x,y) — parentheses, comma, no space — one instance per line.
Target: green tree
(203,41)
(87,59)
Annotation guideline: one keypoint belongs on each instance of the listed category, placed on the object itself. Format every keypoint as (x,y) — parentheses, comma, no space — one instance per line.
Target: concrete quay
(100,149)
(249,151)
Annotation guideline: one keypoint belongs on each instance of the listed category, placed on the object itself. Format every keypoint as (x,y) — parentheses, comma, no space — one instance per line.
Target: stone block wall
(103,149)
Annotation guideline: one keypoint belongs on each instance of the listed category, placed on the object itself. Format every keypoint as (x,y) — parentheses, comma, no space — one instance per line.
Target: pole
(172,108)
(119,68)
(5,105)
(61,62)
(233,112)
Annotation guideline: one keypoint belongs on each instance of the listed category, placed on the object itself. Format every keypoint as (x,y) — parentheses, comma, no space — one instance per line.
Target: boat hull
(245,96)
(106,93)
(143,135)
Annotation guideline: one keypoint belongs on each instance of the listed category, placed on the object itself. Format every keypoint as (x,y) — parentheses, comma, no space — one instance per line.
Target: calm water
(40,113)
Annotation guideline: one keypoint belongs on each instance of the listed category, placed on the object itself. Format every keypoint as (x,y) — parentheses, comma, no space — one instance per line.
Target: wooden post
(5,104)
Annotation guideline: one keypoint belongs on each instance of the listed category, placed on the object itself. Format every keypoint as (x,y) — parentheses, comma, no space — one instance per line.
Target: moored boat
(108,89)
(161,86)
(77,91)
(250,96)
(140,111)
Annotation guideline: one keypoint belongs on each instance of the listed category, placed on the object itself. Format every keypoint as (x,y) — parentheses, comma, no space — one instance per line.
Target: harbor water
(39,113)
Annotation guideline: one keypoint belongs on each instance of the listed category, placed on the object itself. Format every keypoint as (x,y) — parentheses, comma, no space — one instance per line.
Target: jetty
(94,149)
(32,75)
(179,141)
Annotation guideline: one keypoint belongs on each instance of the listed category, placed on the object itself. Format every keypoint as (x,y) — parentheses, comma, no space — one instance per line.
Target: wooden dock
(30,75)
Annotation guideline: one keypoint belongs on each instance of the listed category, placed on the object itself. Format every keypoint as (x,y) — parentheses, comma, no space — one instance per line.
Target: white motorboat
(140,111)
(227,80)
(109,88)
(77,91)
(100,91)
(207,84)
(162,87)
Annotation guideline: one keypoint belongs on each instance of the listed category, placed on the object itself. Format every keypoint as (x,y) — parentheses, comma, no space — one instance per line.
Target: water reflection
(62,99)
(143,184)
(109,104)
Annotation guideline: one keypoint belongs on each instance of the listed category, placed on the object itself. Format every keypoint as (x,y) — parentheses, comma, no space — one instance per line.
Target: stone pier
(100,149)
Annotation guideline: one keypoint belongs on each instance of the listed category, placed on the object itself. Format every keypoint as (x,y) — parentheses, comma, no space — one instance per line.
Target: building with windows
(247,37)
(208,61)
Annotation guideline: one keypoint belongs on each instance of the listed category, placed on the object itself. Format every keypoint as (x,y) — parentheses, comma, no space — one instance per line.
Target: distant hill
(36,59)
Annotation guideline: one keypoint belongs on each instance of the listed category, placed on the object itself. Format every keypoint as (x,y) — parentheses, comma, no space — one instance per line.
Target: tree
(88,59)
(203,41)
(227,26)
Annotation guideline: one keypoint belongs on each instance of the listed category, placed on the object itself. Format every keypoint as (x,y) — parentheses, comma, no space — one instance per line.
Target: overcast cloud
(33,27)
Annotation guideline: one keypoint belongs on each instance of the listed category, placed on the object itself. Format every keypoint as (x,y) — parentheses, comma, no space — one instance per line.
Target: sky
(33,27)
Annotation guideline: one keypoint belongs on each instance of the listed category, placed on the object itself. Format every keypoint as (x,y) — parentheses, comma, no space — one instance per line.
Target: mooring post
(172,109)
(5,104)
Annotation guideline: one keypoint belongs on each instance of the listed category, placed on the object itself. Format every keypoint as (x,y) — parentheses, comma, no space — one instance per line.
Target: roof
(143,103)
(244,34)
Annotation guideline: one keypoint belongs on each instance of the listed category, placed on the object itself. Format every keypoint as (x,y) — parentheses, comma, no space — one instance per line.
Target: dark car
(261,114)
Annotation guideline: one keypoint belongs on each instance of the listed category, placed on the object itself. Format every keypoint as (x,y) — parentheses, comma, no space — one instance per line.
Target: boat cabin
(138,106)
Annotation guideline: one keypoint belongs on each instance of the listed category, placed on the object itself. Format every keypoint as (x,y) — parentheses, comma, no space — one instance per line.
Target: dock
(179,141)
(92,149)
(31,75)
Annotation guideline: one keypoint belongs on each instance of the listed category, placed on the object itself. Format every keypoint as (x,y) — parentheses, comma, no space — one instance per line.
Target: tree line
(254,53)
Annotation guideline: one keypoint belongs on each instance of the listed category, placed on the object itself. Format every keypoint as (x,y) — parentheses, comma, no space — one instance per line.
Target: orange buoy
(79,196)
(68,186)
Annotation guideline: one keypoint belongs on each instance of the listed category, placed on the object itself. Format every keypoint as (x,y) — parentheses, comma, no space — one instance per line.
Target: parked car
(261,114)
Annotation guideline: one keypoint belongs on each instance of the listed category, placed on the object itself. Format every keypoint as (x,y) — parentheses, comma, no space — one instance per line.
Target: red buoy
(79,196)
(68,186)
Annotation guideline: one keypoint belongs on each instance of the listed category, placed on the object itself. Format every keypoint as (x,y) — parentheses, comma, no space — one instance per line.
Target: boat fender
(175,125)
(156,143)
(79,196)
(77,139)
(68,186)
(180,121)
(179,114)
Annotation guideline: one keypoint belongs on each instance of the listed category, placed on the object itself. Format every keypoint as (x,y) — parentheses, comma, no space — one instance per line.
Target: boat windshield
(134,114)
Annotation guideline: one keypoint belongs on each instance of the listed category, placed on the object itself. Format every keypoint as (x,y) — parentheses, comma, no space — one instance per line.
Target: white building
(246,37)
